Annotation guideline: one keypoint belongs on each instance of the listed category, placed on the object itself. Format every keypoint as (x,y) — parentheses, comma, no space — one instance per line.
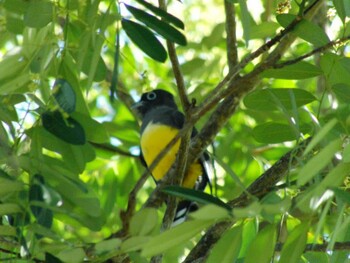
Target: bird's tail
(184,207)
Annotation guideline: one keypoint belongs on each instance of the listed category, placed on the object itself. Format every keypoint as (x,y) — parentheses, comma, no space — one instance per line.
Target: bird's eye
(151,96)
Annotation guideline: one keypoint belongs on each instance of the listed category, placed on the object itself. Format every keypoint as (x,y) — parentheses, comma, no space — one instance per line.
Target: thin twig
(313,52)
(113,149)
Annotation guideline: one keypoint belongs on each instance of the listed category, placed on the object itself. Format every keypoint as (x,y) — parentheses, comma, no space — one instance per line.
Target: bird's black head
(153,99)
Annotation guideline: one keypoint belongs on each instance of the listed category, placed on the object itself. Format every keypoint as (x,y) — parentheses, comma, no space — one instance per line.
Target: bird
(161,121)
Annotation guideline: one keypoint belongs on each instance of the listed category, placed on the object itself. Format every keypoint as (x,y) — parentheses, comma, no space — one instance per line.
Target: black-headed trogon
(161,122)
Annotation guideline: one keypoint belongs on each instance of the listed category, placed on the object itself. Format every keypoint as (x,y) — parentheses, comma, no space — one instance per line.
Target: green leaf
(9,208)
(273,132)
(39,14)
(340,7)
(305,29)
(245,18)
(226,250)
(263,30)
(14,25)
(295,244)
(195,195)
(95,132)
(321,134)
(346,154)
(300,70)
(342,92)
(210,212)
(318,162)
(108,245)
(163,14)
(68,130)
(263,246)
(44,216)
(64,95)
(134,243)
(71,255)
(161,27)
(335,68)
(8,187)
(7,231)
(16,6)
(189,67)
(145,40)
(143,222)
(11,66)
(265,99)
(13,84)
(94,65)
(341,194)
(174,237)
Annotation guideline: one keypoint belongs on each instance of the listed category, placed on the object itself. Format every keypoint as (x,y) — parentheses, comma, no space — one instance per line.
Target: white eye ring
(151,96)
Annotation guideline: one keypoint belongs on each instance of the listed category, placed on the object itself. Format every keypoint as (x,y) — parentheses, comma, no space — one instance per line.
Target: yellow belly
(154,139)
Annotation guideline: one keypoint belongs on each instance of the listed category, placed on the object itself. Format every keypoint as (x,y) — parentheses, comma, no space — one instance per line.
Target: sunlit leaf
(143,222)
(305,29)
(174,237)
(227,249)
(274,132)
(38,14)
(318,162)
(262,248)
(265,99)
(295,244)
(300,70)
(64,95)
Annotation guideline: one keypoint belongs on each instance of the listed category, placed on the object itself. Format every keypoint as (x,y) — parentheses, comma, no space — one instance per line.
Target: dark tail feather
(183,208)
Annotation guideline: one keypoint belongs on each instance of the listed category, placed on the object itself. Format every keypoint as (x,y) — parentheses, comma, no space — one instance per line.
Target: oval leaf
(161,27)
(39,14)
(342,92)
(145,40)
(300,70)
(174,237)
(64,95)
(269,99)
(273,132)
(305,29)
(318,162)
(262,248)
(295,244)
(228,247)
(143,222)
(68,130)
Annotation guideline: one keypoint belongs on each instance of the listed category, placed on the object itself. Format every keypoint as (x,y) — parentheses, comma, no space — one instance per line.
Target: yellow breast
(153,140)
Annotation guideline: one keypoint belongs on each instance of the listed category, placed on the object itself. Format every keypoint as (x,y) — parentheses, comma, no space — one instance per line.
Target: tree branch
(258,189)
(231,39)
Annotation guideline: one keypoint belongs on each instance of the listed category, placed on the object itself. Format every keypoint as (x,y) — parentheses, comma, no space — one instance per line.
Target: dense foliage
(266,83)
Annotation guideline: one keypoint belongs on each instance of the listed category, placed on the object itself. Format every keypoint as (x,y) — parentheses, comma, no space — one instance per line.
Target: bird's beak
(137,105)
